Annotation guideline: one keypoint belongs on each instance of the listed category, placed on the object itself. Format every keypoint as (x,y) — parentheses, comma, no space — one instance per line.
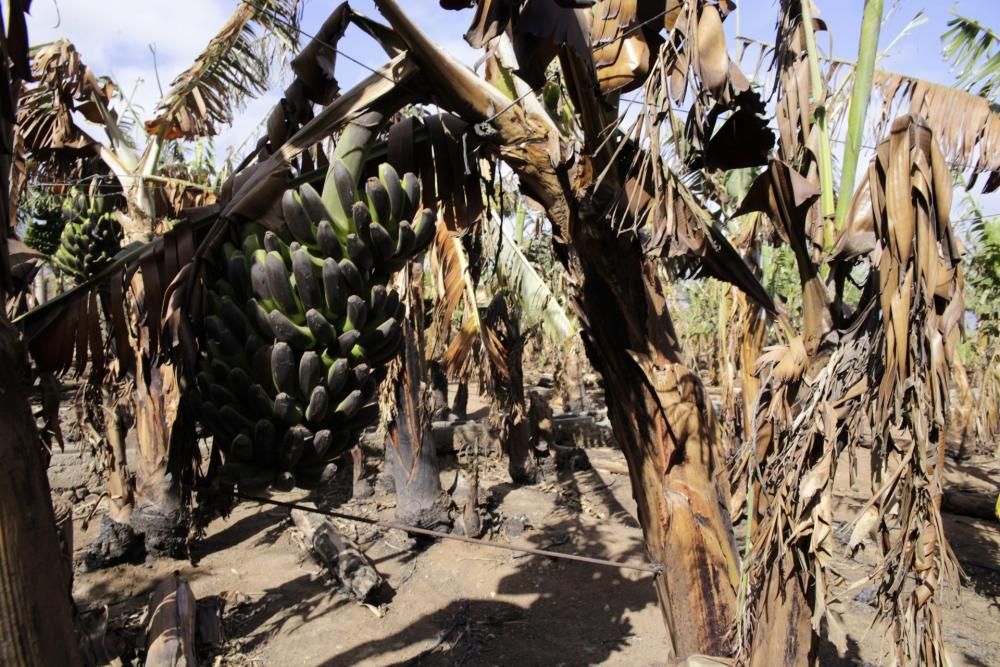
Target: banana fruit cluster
(301,324)
(90,239)
(44,234)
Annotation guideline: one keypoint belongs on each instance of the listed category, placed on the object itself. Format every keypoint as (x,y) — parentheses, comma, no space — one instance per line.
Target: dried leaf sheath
(452,276)
(886,387)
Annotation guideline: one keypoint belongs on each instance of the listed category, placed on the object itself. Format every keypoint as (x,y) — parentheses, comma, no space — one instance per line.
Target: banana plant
(234,67)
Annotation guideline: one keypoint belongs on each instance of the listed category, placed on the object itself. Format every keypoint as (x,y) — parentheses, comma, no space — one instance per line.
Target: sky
(144,44)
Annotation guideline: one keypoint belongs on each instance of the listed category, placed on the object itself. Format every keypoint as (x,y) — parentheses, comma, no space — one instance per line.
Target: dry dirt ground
(450,603)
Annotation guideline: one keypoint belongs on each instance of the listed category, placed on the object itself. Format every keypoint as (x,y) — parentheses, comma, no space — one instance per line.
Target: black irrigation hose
(653,569)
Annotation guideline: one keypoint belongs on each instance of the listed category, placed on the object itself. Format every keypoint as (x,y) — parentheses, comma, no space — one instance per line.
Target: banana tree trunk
(121,483)
(411,455)
(665,425)
(36,604)
(572,382)
(158,512)
(658,408)
(151,504)
(439,390)
(36,609)
(460,404)
(521,462)
(787,636)
(964,415)
(159,509)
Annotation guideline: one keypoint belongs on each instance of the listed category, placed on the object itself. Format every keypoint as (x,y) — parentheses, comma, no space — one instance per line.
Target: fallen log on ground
(612,461)
(337,554)
(978,503)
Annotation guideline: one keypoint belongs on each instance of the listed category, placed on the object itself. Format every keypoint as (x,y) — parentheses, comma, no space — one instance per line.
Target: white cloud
(114,36)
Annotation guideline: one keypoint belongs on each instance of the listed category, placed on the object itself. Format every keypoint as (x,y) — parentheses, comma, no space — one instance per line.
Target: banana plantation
(528,332)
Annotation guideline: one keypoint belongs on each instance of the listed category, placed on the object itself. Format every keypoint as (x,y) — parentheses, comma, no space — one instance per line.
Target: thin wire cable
(652,569)
(621,34)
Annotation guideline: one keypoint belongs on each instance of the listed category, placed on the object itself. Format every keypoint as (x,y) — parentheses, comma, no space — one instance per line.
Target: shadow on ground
(579,612)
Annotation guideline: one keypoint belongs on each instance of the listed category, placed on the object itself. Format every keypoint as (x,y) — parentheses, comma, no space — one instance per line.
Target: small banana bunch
(301,324)
(44,235)
(90,239)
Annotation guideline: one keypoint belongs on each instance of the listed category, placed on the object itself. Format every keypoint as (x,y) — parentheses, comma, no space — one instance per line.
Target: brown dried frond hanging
(450,267)
(503,325)
(64,85)
(694,57)
(966,126)
(885,387)
(438,149)
(921,305)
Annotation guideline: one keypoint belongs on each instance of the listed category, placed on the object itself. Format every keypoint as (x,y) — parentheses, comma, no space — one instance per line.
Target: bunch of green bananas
(90,239)
(301,324)
(45,221)
(44,234)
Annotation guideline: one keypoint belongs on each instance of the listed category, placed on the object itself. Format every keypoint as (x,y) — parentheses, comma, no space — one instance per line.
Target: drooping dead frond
(625,40)
(448,171)
(233,68)
(967,126)
(63,85)
(450,265)
(787,197)
(694,58)
(672,222)
(921,304)
(540,30)
(887,386)
(743,331)
(68,332)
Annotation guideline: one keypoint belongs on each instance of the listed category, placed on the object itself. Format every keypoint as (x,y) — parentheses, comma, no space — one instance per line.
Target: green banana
(320,327)
(378,203)
(283,367)
(336,377)
(319,404)
(311,372)
(305,279)
(328,242)
(296,218)
(341,199)
(285,330)
(300,323)
(278,282)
